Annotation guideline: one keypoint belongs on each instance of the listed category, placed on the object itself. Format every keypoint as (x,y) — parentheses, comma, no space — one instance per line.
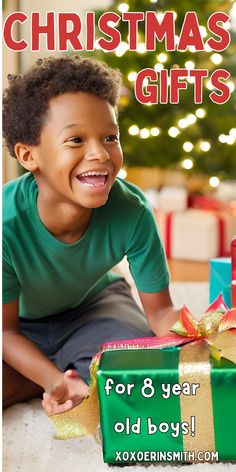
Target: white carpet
(28,444)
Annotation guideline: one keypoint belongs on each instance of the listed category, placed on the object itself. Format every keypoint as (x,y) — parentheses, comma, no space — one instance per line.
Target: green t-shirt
(50,276)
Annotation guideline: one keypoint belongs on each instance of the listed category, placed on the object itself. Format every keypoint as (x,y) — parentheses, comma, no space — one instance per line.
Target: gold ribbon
(224,345)
(194,367)
(82,420)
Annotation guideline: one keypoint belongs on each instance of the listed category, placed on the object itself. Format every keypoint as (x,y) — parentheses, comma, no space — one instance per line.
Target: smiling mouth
(93,178)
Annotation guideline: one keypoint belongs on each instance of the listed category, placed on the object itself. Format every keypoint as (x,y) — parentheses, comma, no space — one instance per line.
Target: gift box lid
(221,261)
(136,360)
(148,360)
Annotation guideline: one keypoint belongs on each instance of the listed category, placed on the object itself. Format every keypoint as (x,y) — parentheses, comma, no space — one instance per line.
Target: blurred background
(183,156)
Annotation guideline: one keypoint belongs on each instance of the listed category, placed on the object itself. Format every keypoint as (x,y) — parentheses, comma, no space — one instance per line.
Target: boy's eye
(112,138)
(76,140)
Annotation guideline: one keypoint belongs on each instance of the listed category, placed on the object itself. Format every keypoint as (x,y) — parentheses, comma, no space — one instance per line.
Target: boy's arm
(64,390)
(159,310)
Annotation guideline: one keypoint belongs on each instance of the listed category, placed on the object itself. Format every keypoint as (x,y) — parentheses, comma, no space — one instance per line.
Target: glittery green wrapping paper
(162,367)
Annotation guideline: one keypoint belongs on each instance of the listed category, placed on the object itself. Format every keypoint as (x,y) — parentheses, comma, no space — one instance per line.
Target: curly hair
(26,100)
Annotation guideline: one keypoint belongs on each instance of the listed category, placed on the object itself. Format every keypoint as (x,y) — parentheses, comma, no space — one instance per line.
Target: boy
(68,221)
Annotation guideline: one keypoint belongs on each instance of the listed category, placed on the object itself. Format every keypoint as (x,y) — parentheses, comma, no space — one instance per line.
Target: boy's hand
(65,394)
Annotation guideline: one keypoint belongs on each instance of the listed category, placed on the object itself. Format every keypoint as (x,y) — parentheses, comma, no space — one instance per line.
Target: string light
(203,31)
(144,133)
(158,67)
(97,45)
(160,16)
(123,7)
(191,80)
(223,138)
(209,85)
(189,65)
(141,48)
(173,132)
(216,58)
(187,146)
(207,48)
(214,181)
(233,132)
(200,113)
(133,130)
(122,174)
(145,82)
(112,23)
(121,49)
(132,76)
(183,123)
(162,57)
(155,131)
(231,86)
(187,164)
(205,146)
(177,40)
(227,25)
(228,139)
(191,119)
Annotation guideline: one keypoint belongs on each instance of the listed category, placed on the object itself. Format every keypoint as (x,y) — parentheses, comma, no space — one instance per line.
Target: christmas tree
(187,136)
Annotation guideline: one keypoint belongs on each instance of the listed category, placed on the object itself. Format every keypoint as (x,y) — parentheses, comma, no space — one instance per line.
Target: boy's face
(79,154)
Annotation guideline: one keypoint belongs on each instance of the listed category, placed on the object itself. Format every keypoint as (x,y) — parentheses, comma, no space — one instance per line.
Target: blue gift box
(220,279)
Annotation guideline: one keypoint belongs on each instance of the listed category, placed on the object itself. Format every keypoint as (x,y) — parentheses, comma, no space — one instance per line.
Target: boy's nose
(97,153)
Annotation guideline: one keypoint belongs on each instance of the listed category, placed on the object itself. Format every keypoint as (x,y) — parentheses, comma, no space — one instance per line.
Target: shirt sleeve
(145,254)
(10,284)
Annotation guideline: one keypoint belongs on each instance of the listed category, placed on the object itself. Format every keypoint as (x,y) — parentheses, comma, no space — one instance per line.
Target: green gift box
(166,399)
(154,408)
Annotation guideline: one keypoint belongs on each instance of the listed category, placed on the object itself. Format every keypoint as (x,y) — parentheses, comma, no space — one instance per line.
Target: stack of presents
(197,228)
(172,399)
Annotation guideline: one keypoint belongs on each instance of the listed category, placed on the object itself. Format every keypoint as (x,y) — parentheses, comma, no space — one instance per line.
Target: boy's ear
(25,157)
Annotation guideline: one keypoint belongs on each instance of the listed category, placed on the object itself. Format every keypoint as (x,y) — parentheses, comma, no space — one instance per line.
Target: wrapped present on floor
(165,399)
(173,198)
(226,192)
(204,202)
(220,279)
(153,197)
(169,198)
(197,235)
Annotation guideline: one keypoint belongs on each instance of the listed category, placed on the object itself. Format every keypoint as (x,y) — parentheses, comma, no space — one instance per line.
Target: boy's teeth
(93,178)
(85,174)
